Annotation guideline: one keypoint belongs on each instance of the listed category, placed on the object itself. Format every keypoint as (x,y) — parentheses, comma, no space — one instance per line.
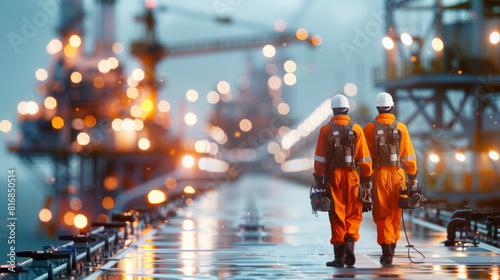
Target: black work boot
(350,259)
(338,250)
(393,250)
(386,258)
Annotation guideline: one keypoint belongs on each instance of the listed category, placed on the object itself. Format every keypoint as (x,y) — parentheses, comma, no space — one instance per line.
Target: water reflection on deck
(261,227)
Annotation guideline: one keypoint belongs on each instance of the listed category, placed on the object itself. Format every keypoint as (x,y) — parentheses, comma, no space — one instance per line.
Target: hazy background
(321,71)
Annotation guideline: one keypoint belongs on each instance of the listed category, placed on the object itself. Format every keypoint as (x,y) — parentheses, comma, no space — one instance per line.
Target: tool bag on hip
(387,142)
(321,199)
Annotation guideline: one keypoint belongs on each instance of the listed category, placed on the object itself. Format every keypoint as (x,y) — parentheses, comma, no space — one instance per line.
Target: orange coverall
(387,180)
(346,217)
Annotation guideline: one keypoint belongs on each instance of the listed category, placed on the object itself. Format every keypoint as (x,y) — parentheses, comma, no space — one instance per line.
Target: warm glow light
(128,124)
(269,51)
(31,107)
(54,46)
(156,197)
(190,119)
(147,105)
(223,87)
(151,3)
(350,89)
(273,147)
(387,43)
(5,126)
(200,146)
(99,82)
(21,108)
(75,203)
(188,161)
(274,82)
(493,155)
(117,124)
(83,138)
(136,111)
(138,74)
(434,158)
(113,62)
(213,97)
(213,165)
(460,157)
(290,66)
(80,221)
(77,124)
(103,66)
(57,122)
(170,183)
(406,39)
(316,40)
(188,225)
(163,106)
(131,82)
(45,215)
(69,51)
(279,25)
(192,95)
(143,144)
(76,77)
(75,41)
(41,74)
(138,125)
(283,108)
(90,121)
(301,34)
(110,183)
(50,103)
(189,189)
(437,44)
(132,92)
(290,79)
(69,218)
(245,125)
(108,202)
(117,48)
(494,37)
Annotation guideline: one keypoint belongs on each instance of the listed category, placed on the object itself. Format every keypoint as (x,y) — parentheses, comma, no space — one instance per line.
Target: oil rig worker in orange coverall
(346,216)
(389,178)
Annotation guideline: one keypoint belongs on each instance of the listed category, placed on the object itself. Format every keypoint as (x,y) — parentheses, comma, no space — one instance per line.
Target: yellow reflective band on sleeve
(366,159)
(410,157)
(320,159)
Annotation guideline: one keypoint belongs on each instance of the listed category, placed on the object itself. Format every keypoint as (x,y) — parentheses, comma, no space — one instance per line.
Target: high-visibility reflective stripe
(366,159)
(410,157)
(320,159)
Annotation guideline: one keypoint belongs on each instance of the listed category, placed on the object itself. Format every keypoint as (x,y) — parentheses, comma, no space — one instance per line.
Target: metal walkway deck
(208,240)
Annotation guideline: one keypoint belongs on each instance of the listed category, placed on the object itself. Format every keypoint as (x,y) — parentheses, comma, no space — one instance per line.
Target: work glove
(318,182)
(365,193)
(412,181)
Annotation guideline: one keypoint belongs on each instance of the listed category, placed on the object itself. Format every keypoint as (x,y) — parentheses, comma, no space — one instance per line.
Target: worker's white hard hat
(340,101)
(384,99)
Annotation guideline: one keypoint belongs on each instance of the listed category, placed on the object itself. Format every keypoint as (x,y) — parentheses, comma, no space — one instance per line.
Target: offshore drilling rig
(102,132)
(450,75)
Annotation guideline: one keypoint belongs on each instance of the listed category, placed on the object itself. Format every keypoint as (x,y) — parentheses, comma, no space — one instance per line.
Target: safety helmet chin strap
(340,111)
(382,110)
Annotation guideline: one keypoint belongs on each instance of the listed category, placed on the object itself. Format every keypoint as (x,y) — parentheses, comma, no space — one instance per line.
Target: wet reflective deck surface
(261,227)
